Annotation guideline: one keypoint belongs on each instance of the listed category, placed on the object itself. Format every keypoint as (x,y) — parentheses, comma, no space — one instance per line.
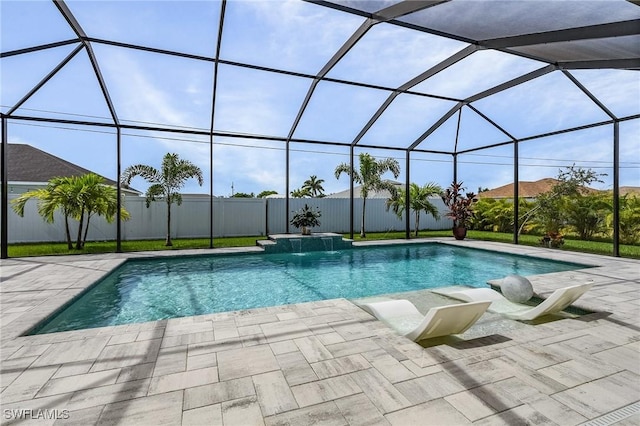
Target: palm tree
(418,201)
(58,194)
(95,198)
(313,186)
(75,196)
(165,183)
(370,178)
(300,193)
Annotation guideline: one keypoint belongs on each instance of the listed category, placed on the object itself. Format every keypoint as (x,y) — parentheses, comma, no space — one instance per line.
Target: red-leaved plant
(460,206)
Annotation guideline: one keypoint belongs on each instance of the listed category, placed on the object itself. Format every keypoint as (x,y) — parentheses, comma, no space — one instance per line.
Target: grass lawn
(43,249)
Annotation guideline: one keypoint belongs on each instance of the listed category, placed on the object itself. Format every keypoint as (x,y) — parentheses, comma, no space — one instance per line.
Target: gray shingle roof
(29,164)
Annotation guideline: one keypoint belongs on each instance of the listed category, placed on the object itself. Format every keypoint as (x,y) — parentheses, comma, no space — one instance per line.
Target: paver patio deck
(325,363)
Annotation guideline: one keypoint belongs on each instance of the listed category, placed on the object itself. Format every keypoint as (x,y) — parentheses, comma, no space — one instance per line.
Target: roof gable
(29,164)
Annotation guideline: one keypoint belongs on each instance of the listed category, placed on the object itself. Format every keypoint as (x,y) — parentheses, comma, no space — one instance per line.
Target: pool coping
(111,261)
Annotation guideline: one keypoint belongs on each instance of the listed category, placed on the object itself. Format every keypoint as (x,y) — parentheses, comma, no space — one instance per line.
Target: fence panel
(232,217)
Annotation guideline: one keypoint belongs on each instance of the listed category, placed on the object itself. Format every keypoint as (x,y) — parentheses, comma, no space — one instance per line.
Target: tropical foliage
(266,193)
(300,193)
(369,177)
(550,212)
(460,206)
(165,183)
(313,186)
(78,198)
(306,217)
(629,219)
(418,201)
(497,214)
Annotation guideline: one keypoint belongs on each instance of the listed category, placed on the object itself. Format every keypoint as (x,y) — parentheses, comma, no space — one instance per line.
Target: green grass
(44,249)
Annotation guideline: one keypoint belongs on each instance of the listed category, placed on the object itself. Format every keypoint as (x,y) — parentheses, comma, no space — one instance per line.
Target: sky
(298,37)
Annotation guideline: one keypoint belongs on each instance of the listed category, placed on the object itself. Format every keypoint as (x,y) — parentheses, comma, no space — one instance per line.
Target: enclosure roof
(571,34)
(370,73)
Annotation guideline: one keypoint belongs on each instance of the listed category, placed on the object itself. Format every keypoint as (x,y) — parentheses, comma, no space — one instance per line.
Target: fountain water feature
(296,245)
(288,243)
(328,243)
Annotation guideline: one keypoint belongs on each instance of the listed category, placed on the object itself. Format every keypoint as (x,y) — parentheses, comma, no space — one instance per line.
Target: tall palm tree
(370,178)
(165,183)
(418,201)
(313,186)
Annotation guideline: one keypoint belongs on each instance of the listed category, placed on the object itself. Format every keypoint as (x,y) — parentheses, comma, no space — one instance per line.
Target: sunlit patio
(257,92)
(325,362)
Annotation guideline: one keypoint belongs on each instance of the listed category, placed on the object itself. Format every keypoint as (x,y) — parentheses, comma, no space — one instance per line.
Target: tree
(313,186)
(418,201)
(629,219)
(78,197)
(57,195)
(550,212)
(370,178)
(300,193)
(94,197)
(266,193)
(165,183)
(586,214)
(243,195)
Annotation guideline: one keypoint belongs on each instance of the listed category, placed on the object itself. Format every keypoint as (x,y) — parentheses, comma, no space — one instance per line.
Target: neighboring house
(531,190)
(526,190)
(357,192)
(30,168)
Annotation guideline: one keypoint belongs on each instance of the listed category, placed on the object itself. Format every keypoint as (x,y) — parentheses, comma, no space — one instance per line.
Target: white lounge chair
(555,303)
(403,316)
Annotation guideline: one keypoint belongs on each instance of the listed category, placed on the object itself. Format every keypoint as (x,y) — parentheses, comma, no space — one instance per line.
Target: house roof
(29,164)
(533,189)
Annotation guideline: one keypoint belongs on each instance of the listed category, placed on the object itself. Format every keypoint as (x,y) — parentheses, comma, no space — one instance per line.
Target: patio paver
(325,362)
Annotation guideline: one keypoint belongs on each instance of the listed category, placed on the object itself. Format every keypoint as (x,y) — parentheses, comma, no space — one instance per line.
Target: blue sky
(298,37)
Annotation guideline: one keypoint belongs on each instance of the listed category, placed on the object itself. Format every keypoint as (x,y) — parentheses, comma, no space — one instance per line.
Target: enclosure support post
(223,7)
(118,190)
(286,189)
(351,193)
(407,200)
(211,190)
(4,208)
(455,168)
(516,193)
(616,188)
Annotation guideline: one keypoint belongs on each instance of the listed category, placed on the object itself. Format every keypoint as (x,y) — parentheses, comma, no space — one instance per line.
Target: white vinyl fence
(232,217)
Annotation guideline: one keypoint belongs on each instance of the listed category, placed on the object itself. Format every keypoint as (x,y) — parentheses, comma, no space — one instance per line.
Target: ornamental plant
(305,218)
(459,205)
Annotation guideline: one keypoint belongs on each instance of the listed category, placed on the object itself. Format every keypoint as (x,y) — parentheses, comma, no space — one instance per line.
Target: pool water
(154,289)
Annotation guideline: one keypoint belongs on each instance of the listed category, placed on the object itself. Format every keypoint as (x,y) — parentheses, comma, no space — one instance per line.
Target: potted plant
(306,218)
(460,208)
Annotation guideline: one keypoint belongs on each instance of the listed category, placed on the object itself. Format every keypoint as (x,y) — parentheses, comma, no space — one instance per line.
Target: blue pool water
(154,289)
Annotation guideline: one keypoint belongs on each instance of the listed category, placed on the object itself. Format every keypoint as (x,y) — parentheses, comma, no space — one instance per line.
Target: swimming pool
(161,288)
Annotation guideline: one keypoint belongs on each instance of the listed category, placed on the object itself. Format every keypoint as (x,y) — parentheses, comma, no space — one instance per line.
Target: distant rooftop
(528,189)
(29,164)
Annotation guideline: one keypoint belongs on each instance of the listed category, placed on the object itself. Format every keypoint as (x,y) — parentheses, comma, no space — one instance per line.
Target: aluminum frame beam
(75,26)
(492,91)
(612,29)
(456,57)
(44,81)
